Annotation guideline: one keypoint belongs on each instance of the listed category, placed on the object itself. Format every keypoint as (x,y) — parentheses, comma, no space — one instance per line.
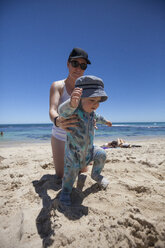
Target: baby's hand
(75,97)
(109,124)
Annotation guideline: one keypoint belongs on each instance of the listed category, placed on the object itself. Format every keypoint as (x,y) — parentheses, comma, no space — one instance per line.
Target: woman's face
(76,72)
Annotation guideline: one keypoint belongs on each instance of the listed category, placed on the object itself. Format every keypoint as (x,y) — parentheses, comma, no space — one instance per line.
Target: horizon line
(47,123)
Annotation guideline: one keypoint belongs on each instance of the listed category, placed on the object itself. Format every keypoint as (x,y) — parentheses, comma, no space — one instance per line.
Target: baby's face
(90,104)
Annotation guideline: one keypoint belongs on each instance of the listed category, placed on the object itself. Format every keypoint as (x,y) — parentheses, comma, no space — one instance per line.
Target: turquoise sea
(31,133)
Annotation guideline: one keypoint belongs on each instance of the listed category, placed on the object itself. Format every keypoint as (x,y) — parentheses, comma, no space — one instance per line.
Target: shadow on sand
(43,221)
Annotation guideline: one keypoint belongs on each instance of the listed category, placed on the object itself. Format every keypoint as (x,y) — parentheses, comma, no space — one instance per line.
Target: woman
(60,91)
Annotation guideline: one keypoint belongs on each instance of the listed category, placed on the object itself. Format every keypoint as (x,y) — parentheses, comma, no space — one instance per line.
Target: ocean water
(31,133)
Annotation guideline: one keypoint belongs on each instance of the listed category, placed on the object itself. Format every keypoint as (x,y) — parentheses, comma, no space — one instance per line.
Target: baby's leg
(69,178)
(99,157)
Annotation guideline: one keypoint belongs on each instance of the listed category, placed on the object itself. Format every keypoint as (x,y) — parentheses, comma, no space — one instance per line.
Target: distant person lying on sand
(118,143)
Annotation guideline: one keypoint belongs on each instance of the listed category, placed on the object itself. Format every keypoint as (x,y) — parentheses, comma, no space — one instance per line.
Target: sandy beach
(130,213)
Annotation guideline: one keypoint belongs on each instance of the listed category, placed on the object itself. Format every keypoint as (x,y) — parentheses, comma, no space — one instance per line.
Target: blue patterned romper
(79,148)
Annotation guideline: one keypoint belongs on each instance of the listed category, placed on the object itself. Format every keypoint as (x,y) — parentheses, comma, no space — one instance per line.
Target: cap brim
(94,93)
(76,57)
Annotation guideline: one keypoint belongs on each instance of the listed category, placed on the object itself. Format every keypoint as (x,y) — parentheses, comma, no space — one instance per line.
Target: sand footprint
(143,232)
(139,189)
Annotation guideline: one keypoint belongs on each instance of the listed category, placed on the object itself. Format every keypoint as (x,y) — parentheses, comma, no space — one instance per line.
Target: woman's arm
(56,91)
(55,94)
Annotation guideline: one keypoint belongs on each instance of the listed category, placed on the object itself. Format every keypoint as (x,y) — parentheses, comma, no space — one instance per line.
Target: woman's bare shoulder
(58,85)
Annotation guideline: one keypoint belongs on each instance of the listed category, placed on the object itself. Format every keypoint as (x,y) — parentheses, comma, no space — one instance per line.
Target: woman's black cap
(79,53)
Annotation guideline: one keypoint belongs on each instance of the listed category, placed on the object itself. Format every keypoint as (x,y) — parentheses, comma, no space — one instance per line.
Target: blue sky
(125,40)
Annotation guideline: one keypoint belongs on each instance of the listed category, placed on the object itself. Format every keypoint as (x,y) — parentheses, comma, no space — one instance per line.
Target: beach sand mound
(129,213)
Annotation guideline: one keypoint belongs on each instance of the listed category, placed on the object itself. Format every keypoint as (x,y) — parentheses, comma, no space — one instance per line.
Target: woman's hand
(67,123)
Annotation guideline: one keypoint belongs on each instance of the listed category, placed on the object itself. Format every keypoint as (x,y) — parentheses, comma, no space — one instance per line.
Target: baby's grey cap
(92,87)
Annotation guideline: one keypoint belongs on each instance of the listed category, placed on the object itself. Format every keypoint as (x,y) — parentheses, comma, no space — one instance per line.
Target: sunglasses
(76,64)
